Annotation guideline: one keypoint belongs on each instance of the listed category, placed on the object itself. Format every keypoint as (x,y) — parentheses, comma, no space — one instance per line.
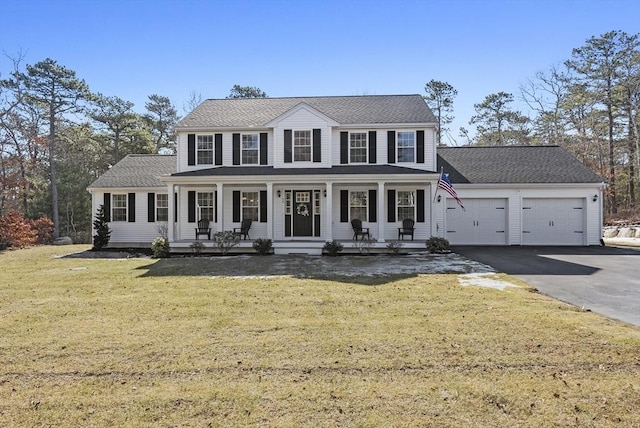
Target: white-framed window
(119,207)
(358,205)
(206,207)
(302,146)
(287,203)
(204,149)
(250,205)
(357,147)
(250,149)
(406,143)
(162,207)
(405,204)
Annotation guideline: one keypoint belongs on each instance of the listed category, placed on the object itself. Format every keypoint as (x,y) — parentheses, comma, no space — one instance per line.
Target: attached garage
(483,222)
(552,221)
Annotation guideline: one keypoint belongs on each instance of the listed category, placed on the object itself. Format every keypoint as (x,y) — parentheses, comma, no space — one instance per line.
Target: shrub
(332,248)
(196,247)
(263,246)
(394,247)
(43,227)
(437,245)
(160,247)
(225,241)
(15,231)
(101,227)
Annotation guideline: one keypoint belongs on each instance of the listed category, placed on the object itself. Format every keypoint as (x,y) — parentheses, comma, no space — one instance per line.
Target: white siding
(301,120)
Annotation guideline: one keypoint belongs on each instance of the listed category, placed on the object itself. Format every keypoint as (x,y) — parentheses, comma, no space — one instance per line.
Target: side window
(358,147)
(250,149)
(406,146)
(162,207)
(119,207)
(205,205)
(405,205)
(358,205)
(205,149)
(251,206)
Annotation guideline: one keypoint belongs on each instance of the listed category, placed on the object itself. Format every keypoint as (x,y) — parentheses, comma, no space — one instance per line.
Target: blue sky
(136,48)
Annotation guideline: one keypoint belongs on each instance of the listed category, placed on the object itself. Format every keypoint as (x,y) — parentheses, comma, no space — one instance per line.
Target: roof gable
(513,164)
(301,107)
(344,110)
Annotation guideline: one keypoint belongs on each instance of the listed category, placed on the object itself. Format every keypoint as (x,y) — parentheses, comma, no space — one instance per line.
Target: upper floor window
(358,205)
(406,146)
(205,149)
(358,147)
(205,206)
(405,204)
(119,207)
(250,149)
(302,146)
(250,205)
(162,207)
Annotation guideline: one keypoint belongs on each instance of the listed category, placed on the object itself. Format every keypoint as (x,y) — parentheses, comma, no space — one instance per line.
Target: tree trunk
(632,157)
(53,172)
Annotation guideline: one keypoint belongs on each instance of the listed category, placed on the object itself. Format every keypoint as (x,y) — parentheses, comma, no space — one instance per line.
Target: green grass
(101,342)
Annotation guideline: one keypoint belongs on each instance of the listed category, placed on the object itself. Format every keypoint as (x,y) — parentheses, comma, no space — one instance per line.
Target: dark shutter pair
(391,206)
(344,147)
(191,149)
(316,145)
(237,208)
(372,204)
(237,148)
(131,207)
(391,146)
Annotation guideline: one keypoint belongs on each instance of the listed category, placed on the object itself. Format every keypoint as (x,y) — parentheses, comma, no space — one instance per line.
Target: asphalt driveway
(605,280)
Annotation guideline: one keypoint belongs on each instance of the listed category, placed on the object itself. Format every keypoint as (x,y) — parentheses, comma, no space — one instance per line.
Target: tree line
(57,136)
(589,105)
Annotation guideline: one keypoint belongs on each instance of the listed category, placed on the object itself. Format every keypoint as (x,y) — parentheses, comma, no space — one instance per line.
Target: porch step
(310,248)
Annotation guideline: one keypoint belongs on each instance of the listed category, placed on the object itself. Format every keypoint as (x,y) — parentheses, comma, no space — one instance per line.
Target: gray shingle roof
(137,171)
(345,110)
(226,171)
(513,164)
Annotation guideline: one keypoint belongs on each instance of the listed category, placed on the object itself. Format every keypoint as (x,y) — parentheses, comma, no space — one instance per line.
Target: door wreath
(303,210)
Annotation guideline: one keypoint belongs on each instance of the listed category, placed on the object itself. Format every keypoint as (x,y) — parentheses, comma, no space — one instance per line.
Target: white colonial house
(303,168)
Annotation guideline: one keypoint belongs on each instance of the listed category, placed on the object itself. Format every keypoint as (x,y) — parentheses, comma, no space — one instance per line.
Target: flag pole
(435,194)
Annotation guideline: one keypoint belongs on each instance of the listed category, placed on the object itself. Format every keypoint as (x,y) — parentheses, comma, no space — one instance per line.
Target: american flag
(445,184)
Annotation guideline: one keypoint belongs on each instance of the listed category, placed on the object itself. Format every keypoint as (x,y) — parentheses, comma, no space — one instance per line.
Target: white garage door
(483,223)
(553,221)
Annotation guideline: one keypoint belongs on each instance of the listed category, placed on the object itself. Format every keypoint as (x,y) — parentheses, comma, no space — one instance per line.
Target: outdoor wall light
(325,193)
(279,193)
(595,198)
(439,198)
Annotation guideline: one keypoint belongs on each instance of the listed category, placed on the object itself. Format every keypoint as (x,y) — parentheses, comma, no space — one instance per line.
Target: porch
(308,247)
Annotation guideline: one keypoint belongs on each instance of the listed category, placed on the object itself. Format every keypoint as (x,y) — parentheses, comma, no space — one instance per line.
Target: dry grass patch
(103,342)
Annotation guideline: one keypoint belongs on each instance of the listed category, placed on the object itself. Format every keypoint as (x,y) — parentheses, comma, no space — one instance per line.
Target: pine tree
(101,227)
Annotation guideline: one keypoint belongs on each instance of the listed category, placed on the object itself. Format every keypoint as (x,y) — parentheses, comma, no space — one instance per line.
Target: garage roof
(513,164)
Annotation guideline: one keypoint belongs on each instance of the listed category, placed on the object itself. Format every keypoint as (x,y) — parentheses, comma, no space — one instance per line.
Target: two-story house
(303,168)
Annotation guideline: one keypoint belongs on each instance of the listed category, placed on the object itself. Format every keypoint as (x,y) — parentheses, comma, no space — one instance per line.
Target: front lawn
(141,342)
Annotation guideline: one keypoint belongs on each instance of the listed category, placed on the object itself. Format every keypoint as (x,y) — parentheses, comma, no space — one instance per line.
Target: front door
(302,213)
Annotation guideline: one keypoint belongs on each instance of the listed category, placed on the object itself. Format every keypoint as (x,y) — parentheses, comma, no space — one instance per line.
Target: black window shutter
(191,149)
(373,146)
(263,206)
(191,206)
(132,207)
(288,141)
(317,145)
(151,207)
(420,207)
(420,147)
(344,147)
(218,149)
(373,206)
(236,206)
(391,147)
(263,148)
(344,206)
(107,207)
(215,206)
(175,207)
(236,149)
(391,206)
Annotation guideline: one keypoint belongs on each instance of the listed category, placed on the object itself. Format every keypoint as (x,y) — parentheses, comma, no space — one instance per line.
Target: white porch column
(328,220)
(381,213)
(220,207)
(270,221)
(171,211)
